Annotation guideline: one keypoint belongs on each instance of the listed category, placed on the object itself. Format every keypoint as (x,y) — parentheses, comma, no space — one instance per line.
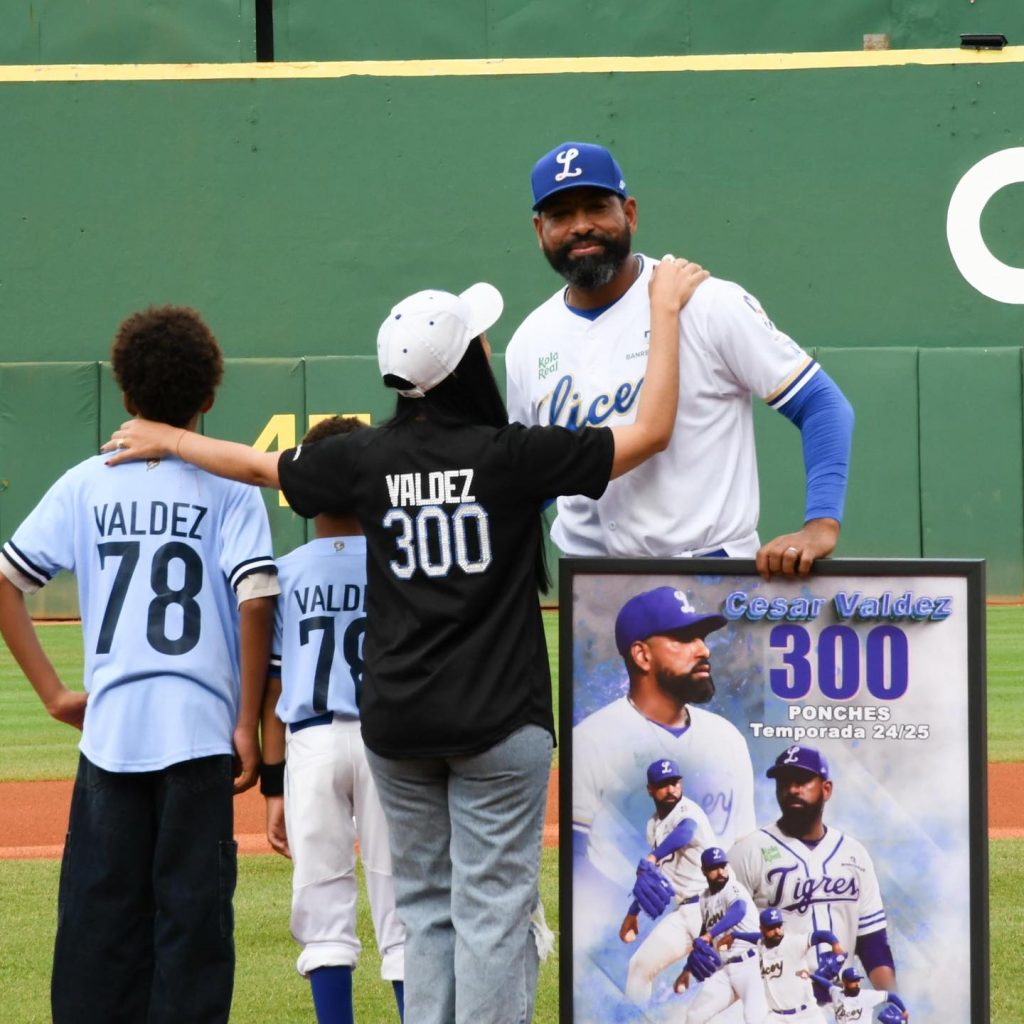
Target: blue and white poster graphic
(815,732)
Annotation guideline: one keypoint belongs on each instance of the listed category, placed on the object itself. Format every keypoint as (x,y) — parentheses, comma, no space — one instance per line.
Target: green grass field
(267,987)
(1005,627)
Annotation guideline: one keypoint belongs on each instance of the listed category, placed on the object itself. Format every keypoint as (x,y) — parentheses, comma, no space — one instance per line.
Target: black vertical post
(265,30)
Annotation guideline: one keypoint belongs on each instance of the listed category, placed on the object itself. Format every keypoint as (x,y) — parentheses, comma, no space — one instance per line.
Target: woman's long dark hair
(469,396)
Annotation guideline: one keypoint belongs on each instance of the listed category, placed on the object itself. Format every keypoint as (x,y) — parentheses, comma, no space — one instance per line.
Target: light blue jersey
(319,627)
(159,550)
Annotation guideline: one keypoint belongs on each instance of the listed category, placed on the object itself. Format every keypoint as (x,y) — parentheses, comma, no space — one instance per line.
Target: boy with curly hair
(176,585)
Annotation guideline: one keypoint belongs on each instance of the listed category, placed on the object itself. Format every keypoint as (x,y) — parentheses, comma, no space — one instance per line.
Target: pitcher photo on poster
(775,809)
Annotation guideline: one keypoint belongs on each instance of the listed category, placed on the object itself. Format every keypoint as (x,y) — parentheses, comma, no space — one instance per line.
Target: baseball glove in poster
(776,804)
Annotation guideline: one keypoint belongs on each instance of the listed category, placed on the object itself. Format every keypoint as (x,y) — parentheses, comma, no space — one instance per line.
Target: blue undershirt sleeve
(874,951)
(825,420)
(679,837)
(733,915)
(579,846)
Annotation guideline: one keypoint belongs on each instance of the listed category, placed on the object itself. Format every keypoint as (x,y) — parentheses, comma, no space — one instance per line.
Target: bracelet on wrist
(272,779)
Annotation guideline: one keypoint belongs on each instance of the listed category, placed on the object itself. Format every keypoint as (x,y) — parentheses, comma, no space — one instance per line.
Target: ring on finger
(791,548)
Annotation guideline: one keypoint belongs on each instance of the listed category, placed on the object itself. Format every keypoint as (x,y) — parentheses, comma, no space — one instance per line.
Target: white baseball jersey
(318,627)
(611,750)
(856,1008)
(330,796)
(740,977)
(832,886)
(682,866)
(713,906)
(785,988)
(159,550)
(700,494)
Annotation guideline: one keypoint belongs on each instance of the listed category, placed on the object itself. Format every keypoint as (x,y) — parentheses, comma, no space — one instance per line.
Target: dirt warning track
(34,815)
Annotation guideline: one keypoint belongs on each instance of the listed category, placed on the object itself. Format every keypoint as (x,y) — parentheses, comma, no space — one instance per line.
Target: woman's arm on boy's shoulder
(138,439)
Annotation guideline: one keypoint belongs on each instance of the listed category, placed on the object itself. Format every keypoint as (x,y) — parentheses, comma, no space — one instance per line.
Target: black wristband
(272,779)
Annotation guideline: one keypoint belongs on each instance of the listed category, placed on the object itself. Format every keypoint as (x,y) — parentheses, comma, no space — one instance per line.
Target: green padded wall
(49,420)
(346,386)
(252,389)
(936,469)
(883,506)
(972,490)
(780,464)
(340,386)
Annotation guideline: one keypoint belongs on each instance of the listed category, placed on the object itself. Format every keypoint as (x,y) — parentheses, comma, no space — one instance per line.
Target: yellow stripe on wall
(499,66)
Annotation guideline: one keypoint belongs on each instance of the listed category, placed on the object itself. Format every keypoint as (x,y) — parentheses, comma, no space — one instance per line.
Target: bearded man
(662,638)
(815,875)
(678,833)
(580,359)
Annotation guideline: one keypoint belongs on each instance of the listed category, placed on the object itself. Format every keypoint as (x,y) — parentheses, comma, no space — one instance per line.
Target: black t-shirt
(455,658)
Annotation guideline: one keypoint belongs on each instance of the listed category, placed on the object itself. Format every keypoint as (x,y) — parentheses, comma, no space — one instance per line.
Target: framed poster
(826,735)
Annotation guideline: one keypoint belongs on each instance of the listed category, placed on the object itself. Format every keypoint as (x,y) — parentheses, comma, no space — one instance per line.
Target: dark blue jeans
(144,916)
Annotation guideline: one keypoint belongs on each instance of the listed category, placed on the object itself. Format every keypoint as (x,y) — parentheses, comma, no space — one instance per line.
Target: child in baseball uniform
(176,585)
(326,799)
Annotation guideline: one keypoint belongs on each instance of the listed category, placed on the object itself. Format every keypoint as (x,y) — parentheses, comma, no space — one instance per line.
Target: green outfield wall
(294,210)
(294,203)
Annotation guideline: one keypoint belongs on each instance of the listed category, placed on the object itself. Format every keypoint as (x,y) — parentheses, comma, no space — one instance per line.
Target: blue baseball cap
(804,758)
(662,771)
(662,610)
(713,857)
(573,164)
(770,917)
(852,974)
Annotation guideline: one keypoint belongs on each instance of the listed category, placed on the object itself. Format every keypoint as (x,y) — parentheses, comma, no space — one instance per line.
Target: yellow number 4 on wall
(279,433)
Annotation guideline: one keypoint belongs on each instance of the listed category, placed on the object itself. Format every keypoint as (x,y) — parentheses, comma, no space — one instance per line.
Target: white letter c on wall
(972,256)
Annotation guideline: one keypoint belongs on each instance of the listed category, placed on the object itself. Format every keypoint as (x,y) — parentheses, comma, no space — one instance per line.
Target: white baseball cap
(427,334)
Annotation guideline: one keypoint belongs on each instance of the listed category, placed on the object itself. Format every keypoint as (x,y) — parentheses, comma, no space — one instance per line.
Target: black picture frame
(926,803)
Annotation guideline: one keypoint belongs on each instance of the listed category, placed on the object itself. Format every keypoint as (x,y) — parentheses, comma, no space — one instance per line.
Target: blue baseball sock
(332,994)
(399,987)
